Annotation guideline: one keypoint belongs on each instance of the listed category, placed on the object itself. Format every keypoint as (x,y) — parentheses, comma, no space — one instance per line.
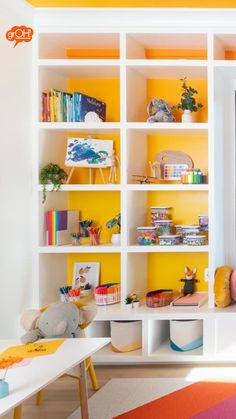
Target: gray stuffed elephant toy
(64,320)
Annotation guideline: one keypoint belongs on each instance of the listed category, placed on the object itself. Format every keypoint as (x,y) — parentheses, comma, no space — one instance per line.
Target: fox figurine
(189,280)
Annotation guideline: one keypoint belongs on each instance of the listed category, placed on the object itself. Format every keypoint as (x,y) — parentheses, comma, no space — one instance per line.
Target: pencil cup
(4,389)
(94,239)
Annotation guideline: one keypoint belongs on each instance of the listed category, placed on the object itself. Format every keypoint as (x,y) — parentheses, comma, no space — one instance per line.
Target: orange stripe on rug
(184,403)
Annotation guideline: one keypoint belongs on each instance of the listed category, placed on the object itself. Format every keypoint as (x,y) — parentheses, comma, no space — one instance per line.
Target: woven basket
(159,298)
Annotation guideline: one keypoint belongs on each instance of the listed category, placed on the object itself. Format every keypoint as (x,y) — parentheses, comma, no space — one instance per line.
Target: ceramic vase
(187,116)
(115,239)
(136,304)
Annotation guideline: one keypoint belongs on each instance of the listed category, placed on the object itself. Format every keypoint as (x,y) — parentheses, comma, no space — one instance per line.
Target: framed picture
(88,152)
(86,273)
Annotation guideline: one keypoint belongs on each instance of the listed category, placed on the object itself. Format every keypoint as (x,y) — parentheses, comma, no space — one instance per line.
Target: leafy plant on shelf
(52,174)
(188,101)
(115,222)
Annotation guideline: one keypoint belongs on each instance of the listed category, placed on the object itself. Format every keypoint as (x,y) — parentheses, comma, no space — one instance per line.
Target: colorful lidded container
(164,227)
(188,230)
(196,240)
(146,236)
(203,222)
(172,240)
(160,213)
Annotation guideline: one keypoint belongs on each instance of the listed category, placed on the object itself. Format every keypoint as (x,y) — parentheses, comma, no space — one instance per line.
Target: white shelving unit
(151,29)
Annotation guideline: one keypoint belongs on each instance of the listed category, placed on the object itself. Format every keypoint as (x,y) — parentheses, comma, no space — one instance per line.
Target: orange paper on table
(31,350)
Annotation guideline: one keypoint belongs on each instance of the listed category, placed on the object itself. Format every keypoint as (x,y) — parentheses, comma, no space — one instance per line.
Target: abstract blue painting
(88,152)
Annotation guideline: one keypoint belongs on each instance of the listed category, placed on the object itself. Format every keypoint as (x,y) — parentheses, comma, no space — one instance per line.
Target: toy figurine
(113,174)
(189,280)
(159,111)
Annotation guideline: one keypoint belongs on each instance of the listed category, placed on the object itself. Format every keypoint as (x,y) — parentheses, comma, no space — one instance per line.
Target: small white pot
(187,116)
(129,306)
(115,239)
(136,304)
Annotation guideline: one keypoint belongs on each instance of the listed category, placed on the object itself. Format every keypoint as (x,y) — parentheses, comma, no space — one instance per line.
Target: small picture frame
(86,273)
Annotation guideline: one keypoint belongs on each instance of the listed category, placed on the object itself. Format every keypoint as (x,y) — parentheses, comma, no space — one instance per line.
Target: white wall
(15,169)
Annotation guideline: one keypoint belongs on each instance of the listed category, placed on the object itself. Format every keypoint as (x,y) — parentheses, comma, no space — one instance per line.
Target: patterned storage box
(159,298)
(126,335)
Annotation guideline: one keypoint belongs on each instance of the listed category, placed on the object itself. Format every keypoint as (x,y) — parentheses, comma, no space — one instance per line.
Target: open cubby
(225,47)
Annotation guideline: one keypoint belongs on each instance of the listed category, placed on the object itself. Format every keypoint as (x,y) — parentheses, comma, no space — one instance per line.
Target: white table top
(27,380)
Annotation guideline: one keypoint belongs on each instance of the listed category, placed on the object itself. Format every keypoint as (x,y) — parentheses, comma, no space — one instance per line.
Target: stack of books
(60,226)
(197,299)
(58,106)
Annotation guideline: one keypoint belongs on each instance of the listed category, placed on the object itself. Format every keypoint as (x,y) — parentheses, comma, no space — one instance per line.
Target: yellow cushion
(222,286)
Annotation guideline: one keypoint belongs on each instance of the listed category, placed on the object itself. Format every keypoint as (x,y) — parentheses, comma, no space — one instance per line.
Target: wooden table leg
(83,391)
(17,412)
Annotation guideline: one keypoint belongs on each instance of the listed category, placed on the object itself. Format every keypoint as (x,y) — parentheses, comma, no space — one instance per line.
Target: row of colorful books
(60,226)
(58,106)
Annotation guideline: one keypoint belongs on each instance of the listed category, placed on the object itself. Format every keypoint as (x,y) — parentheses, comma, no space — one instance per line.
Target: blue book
(82,104)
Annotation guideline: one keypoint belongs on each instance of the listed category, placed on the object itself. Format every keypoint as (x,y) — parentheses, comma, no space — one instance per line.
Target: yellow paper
(31,350)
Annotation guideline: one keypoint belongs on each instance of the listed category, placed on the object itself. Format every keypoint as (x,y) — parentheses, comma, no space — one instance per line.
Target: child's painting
(86,273)
(88,152)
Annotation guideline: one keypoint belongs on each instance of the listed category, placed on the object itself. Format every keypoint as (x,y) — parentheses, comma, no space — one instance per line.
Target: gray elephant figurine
(159,111)
(64,320)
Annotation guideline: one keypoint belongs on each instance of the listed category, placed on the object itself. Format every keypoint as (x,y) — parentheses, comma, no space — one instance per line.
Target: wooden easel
(91,174)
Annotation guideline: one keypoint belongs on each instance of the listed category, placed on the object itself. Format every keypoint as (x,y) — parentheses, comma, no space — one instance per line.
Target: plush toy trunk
(186,335)
(126,335)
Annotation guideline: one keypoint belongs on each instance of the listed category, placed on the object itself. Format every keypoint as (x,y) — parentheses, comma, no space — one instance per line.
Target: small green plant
(53,174)
(188,101)
(128,300)
(115,222)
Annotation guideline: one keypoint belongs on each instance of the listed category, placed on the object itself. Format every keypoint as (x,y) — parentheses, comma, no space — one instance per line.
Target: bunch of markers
(69,294)
(107,294)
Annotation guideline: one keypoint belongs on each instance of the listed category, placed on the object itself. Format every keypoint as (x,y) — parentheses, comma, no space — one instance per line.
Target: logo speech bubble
(19,34)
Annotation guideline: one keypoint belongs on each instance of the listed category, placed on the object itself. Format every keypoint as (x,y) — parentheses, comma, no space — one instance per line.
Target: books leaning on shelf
(60,106)
(60,226)
(197,299)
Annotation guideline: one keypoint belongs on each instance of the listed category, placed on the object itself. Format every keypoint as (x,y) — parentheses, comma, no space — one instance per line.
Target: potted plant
(188,102)
(54,175)
(76,238)
(135,300)
(115,222)
(86,290)
(128,302)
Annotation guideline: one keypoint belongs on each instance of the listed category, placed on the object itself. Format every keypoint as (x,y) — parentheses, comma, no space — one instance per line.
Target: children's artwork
(32,350)
(89,152)
(86,273)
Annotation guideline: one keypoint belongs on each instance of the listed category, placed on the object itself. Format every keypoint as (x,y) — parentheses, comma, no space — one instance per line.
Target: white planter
(115,239)
(128,306)
(187,116)
(136,304)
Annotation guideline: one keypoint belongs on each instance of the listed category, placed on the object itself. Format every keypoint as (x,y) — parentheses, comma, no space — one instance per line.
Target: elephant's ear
(29,319)
(86,315)
(31,336)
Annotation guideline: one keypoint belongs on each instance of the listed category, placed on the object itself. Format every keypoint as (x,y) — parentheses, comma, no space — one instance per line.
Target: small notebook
(197,299)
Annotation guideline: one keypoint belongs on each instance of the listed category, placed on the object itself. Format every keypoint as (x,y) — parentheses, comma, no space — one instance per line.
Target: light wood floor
(61,397)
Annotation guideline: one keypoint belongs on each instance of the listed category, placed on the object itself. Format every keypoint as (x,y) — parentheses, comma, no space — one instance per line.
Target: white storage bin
(186,335)
(126,335)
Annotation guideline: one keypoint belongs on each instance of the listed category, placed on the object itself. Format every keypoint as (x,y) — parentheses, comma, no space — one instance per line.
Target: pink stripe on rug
(225,409)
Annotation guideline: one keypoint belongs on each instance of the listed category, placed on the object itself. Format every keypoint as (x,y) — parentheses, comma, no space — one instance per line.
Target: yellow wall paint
(196,146)
(81,175)
(107,91)
(165,269)
(170,90)
(98,206)
(109,265)
(135,3)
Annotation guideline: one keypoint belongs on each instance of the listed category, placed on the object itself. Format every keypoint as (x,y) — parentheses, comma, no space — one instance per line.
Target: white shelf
(85,187)
(168,249)
(107,355)
(171,128)
(164,351)
(82,69)
(167,187)
(107,127)
(107,248)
